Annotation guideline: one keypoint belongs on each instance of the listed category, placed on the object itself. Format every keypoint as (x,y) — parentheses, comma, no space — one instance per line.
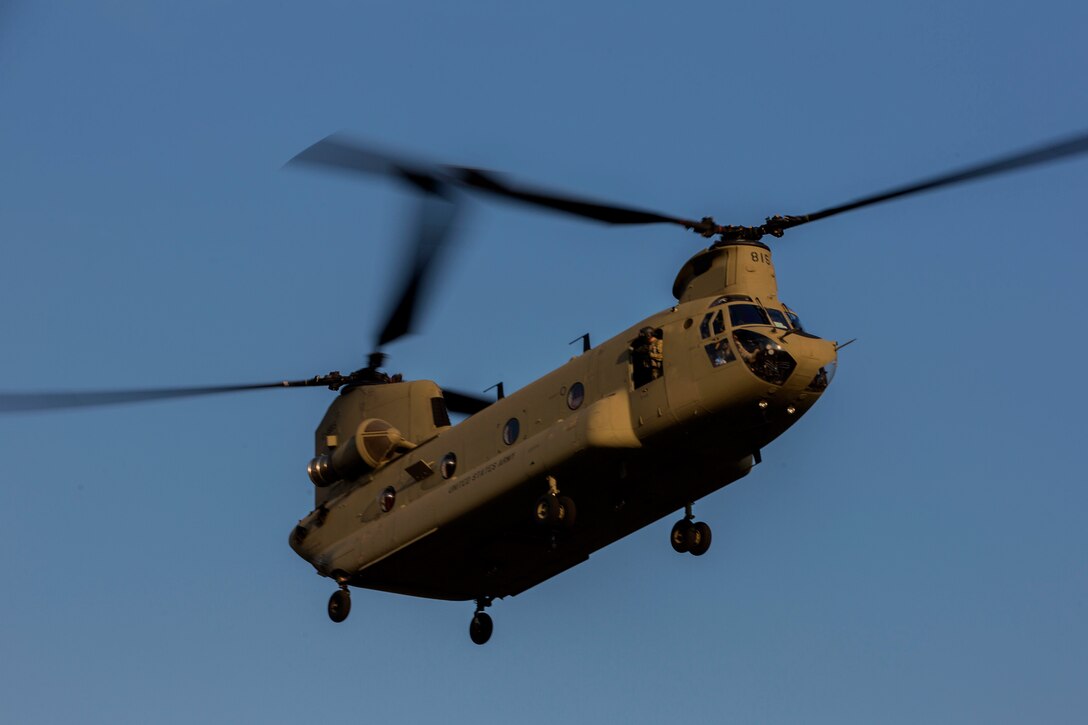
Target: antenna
(585,342)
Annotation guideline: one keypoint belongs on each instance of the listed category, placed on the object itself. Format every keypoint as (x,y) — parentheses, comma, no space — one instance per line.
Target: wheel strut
(481,626)
(340,602)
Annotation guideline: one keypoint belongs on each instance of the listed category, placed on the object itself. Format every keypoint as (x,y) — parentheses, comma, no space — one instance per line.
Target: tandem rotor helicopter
(530,484)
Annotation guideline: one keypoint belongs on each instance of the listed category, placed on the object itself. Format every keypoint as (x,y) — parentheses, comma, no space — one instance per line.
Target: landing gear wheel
(340,605)
(699,539)
(680,538)
(479,629)
(567,512)
(547,510)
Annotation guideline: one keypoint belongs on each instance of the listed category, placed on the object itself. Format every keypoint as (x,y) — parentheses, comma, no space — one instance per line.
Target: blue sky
(912,551)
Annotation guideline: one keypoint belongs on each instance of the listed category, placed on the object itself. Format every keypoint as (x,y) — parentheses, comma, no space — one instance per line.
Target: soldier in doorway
(647,357)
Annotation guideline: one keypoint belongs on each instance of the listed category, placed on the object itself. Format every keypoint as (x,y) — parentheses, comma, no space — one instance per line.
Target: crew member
(647,357)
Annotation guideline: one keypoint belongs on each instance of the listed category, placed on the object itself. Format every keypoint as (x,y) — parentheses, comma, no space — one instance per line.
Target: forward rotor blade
(337,152)
(466,403)
(435,221)
(1031,157)
(27,402)
(577,206)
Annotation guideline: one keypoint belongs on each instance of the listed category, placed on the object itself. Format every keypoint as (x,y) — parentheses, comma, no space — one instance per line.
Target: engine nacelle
(375,443)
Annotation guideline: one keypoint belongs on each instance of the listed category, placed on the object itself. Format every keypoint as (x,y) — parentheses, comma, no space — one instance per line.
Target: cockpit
(761,350)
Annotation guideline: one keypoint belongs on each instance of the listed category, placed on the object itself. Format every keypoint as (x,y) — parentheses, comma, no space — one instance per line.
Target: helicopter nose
(816,363)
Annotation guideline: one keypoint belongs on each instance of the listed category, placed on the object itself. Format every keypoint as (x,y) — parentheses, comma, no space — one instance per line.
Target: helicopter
(633,429)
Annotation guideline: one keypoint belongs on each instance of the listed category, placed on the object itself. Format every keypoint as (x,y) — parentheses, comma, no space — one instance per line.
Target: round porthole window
(575,396)
(387,499)
(510,431)
(449,465)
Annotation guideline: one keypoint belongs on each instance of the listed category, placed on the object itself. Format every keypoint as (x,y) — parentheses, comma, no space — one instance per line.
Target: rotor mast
(739,267)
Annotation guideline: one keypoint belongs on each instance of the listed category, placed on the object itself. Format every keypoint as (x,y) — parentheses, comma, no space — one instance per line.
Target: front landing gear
(340,604)
(481,626)
(690,537)
(554,510)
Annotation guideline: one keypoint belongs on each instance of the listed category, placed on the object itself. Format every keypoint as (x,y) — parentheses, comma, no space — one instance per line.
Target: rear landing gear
(688,537)
(340,604)
(481,626)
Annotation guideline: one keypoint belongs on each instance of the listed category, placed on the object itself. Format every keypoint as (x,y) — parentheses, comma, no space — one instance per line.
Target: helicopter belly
(496,549)
(501,551)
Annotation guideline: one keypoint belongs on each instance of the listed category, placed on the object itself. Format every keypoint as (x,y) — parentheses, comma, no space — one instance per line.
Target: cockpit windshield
(794,319)
(747,315)
(778,319)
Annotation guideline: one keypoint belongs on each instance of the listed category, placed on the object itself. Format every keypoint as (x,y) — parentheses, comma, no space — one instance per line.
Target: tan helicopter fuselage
(447,512)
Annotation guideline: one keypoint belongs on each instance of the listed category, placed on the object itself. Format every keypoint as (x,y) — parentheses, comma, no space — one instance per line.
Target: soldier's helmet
(647,331)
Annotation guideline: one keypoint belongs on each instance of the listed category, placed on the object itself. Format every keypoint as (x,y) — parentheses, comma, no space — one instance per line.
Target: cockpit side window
(747,315)
(719,323)
(719,352)
(713,325)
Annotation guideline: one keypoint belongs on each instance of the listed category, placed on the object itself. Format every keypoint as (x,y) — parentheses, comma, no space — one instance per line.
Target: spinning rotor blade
(437,212)
(338,152)
(29,402)
(436,216)
(1032,157)
(26,402)
(601,211)
(464,402)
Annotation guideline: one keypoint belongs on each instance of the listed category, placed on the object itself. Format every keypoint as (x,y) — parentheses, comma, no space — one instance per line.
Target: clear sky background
(913,550)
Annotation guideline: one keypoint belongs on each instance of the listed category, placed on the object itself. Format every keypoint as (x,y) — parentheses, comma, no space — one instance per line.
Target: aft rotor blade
(435,222)
(1031,157)
(28,402)
(466,403)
